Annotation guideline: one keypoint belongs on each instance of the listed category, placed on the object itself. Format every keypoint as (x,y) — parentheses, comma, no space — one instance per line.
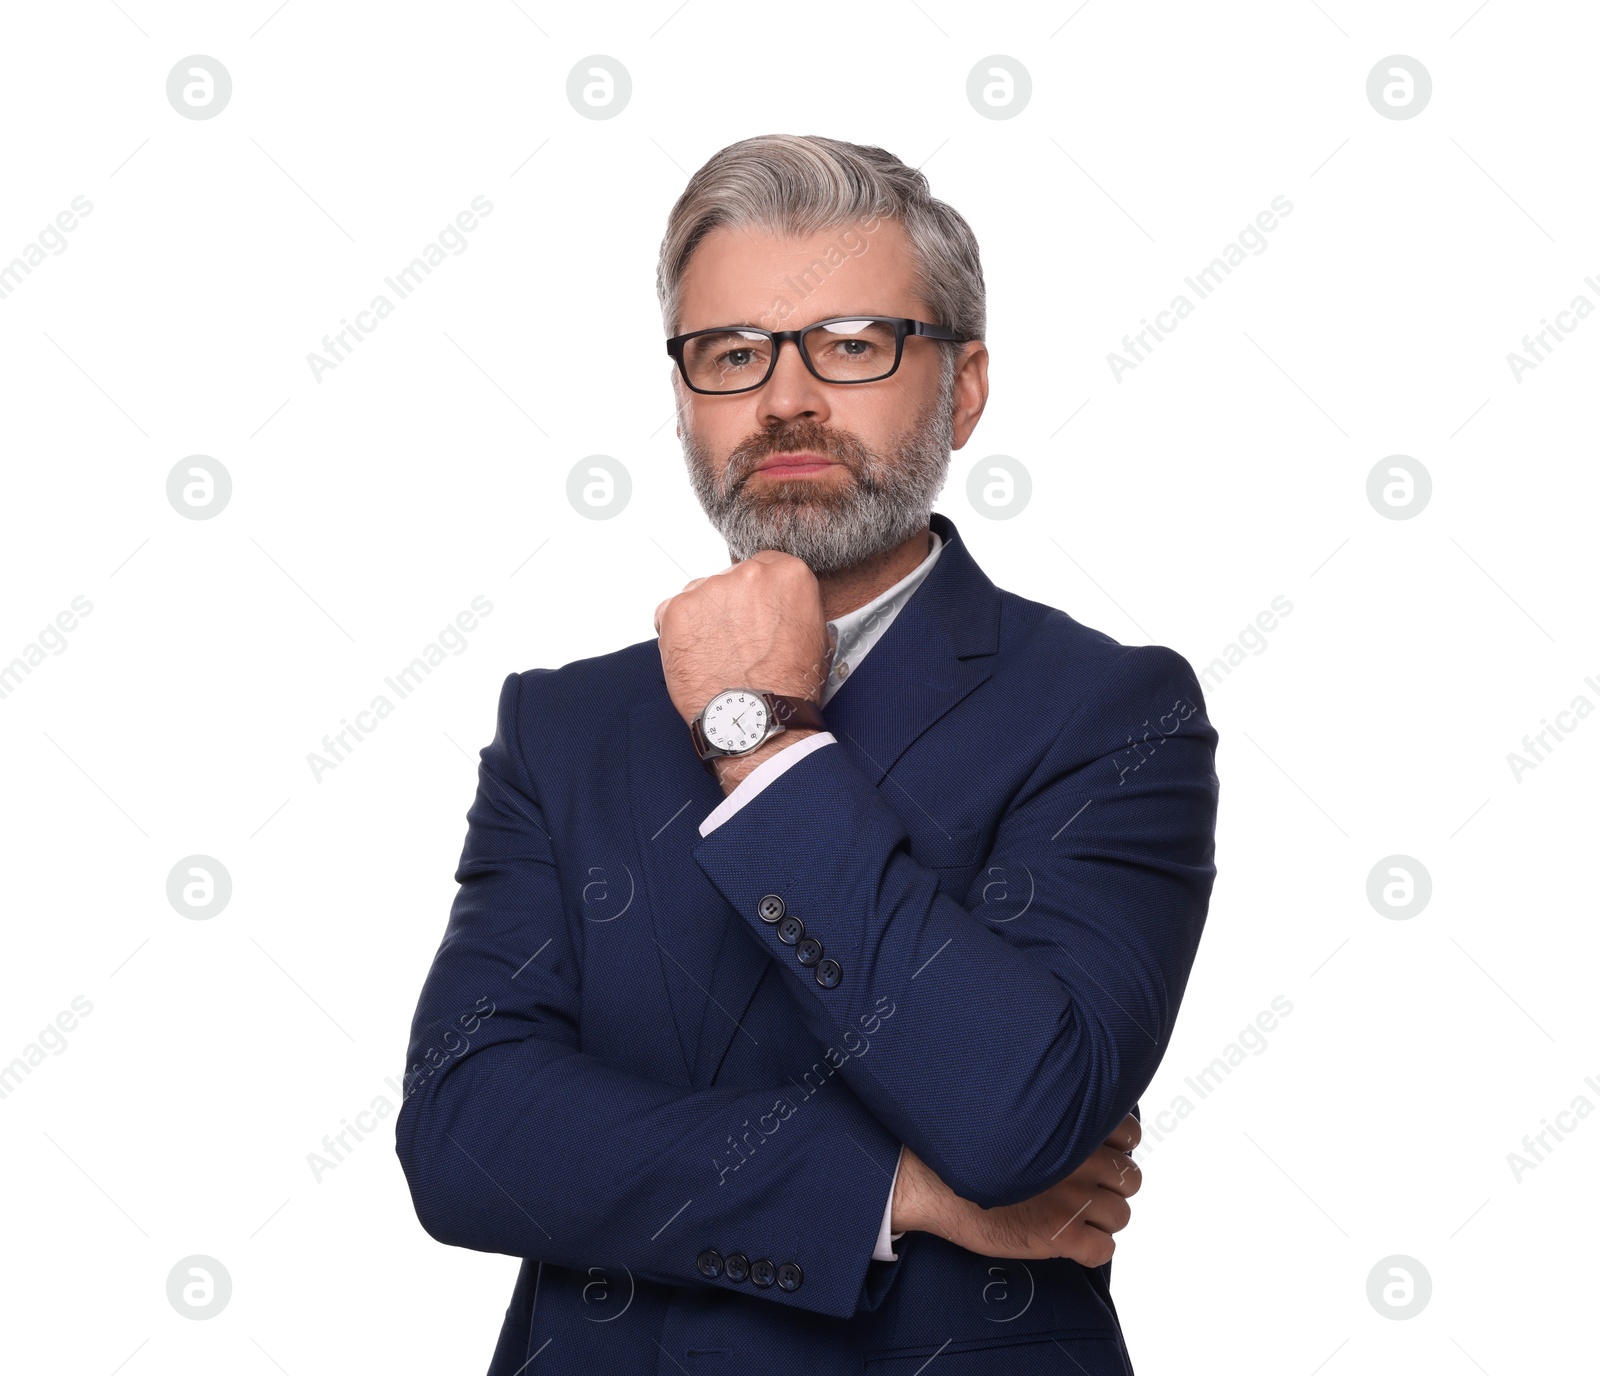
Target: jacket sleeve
(1032,1015)
(514,1140)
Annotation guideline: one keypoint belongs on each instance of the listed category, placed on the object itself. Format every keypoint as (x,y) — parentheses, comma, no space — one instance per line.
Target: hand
(758,624)
(1074,1218)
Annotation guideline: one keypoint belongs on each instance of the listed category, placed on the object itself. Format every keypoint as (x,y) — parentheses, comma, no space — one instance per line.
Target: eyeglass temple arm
(927,331)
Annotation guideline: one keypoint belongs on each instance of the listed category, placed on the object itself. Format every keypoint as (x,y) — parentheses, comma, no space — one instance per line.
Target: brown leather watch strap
(797,714)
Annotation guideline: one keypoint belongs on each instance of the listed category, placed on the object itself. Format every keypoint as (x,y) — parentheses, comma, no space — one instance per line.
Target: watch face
(735,720)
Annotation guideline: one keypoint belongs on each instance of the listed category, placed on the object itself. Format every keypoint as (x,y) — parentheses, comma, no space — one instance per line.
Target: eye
(849,348)
(714,358)
(852,350)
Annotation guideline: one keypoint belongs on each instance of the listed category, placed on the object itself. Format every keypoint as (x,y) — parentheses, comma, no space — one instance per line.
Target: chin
(827,540)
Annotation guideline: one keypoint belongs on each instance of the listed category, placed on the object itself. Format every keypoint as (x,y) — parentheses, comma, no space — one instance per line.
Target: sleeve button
(809,951)
(709,1263)
(790,1275)
(770,908)
(790,930)
(829,973)
(736,1266)
(762,1273)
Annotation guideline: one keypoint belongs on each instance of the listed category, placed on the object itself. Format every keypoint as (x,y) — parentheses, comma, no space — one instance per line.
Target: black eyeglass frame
(903,326)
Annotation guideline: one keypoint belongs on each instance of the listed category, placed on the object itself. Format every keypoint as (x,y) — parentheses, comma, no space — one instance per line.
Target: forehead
(742,275)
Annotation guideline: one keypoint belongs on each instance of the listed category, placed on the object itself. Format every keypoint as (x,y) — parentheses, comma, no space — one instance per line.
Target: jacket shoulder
(622,676)
(1049,641)
(539,707)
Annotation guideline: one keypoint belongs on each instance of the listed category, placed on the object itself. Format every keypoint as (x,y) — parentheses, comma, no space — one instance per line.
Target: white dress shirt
(857,632)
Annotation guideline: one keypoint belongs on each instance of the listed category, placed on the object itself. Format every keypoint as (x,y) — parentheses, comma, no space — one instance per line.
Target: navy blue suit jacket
(622,1073)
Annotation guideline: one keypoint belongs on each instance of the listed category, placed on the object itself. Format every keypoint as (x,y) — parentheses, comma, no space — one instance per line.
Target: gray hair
(800,184)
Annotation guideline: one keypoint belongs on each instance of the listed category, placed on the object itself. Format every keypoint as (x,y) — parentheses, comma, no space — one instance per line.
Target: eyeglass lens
(840,350)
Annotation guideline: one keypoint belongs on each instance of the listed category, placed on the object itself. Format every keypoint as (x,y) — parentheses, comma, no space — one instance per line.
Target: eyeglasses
(848,348)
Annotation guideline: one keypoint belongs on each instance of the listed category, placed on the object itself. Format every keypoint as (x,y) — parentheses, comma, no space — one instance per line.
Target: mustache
(803,437)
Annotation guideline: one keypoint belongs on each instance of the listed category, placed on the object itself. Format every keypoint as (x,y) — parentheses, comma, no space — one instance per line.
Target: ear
(680,394)
(971,392)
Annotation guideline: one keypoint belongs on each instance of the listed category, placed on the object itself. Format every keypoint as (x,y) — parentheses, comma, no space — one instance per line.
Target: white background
(369,507)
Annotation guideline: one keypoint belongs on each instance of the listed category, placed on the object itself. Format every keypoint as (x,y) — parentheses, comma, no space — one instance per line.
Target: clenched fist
(757,624)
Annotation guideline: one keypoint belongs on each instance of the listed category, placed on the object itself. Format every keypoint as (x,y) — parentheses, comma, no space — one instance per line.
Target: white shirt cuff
(884,1251)
(762,775)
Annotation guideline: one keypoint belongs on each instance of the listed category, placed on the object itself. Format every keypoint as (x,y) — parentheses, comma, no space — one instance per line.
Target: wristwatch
(739,720)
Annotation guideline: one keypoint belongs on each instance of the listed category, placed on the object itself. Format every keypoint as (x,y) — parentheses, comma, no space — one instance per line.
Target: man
(809,959)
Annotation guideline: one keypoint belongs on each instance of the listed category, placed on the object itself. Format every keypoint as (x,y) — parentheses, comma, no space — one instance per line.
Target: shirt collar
(859,630)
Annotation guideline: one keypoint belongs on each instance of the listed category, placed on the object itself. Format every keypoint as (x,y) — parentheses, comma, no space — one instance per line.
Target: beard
(828,525)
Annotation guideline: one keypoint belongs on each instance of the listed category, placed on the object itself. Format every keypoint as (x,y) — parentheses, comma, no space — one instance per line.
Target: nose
(792,393)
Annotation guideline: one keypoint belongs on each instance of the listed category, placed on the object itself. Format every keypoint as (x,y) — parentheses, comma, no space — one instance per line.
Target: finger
(1110,1169)
(1106,1210)
(1089,1246)
(1100,1244)
(1113,1213)
(1127,1134)
(690,586)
